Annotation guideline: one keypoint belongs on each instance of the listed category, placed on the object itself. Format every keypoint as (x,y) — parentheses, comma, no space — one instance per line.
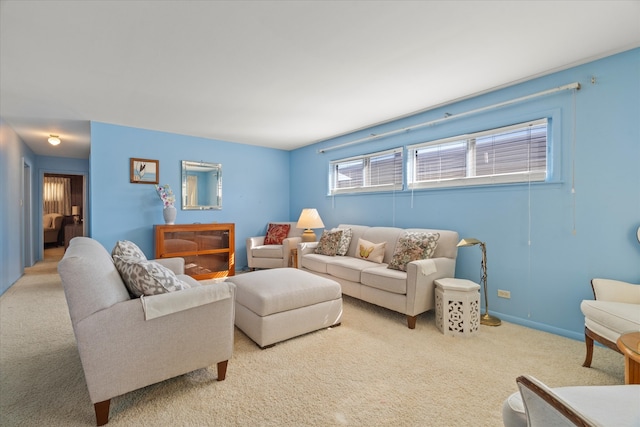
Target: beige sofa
(411,292)
(128,343)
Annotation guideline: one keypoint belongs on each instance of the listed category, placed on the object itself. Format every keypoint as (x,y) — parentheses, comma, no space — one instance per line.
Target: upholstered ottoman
(281,303)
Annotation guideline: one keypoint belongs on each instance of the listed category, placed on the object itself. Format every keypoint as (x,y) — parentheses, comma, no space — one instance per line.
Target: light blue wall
(548,278)
(13,155)
(255,187)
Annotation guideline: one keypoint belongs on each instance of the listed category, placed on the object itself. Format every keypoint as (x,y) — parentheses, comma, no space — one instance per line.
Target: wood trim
(551,399)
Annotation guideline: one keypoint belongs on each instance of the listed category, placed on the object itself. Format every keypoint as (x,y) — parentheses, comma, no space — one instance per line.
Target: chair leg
(411,321)
(102,412)
(222,370)
(589,343)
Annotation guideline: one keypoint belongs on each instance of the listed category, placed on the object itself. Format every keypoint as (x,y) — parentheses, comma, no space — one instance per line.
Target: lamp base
(489,320)
(308,235)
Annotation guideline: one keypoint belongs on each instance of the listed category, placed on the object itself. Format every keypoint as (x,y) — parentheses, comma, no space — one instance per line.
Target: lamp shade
(74,210)
(468,242)
(309,218)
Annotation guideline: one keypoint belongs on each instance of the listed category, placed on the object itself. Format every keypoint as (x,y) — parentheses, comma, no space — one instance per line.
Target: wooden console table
(208,249)
(71,231)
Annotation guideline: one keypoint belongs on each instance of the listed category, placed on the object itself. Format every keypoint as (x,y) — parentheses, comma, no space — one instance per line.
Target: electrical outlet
(504,294)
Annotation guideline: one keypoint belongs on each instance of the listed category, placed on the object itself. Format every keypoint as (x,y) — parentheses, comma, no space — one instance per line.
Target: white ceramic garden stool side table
(457,307)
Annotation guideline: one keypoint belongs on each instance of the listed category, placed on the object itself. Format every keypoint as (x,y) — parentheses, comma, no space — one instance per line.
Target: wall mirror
(201,185)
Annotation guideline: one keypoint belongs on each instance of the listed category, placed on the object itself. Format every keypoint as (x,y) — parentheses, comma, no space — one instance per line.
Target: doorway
(26,221)
(63,204)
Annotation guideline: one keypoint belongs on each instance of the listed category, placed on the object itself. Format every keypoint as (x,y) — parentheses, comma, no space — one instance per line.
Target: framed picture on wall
(144,171)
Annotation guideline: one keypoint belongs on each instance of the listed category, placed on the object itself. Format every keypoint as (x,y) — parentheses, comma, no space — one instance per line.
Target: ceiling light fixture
(54,139)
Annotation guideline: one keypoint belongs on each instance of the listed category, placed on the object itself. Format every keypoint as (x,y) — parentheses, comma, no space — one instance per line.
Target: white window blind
(372,172)
(516,153)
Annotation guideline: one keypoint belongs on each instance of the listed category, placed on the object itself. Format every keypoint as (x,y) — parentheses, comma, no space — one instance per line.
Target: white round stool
(457,307)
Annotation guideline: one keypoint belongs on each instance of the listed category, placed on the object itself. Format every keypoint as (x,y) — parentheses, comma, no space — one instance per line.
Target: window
(372,172)
(515,153)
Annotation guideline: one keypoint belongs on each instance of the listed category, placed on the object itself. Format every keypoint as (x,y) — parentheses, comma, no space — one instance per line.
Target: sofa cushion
(371,251)
(413,246)
(127,248)
(383,278)
(276,233)
(329,242)
(316,262)
(144,277)
(345,240)
(348,268)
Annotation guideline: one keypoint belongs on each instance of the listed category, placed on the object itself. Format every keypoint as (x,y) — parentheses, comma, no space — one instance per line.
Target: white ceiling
(280,74)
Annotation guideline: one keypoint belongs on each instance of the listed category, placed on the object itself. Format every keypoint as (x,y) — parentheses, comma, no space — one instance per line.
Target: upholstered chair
(273,250)
(537,405)
(614,311)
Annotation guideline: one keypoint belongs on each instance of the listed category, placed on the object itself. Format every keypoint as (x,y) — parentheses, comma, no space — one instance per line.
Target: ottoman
(281,303)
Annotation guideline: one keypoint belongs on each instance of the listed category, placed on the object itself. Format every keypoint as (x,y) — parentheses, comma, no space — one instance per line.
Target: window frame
(367,186)
(470,179)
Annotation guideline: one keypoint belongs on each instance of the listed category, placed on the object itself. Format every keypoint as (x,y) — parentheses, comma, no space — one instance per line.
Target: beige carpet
(371,371)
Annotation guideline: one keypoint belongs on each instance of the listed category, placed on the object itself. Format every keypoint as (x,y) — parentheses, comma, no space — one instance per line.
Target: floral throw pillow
(345,240)
(144,277)
(276,233)
(127,248)
(413,246)
(371,251)
(329,242)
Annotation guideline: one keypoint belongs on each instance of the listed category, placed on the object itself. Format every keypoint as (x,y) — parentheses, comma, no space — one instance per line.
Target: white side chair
(614,311)
(260,255)
(537,405)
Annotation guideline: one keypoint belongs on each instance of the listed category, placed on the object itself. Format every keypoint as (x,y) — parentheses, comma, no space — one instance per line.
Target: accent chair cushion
(413,246)
(144,277)
(127,249)
(345,240)
(276,233)
(329,242)
(371,251)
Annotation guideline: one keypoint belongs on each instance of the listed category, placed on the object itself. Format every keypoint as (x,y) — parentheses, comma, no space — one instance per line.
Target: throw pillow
(345,240)
(329,242)
(144,277)
(127,248)
(413,246)
(371,251)
(276,233)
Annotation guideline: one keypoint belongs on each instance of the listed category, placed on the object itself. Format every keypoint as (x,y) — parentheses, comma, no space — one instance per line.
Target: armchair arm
(116,342)
(252,242)
(290,243)
(420,286)
(615,291)
(305,248)
(175,264)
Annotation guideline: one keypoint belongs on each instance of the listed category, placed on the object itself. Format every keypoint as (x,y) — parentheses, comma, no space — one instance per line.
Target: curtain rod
(569,86)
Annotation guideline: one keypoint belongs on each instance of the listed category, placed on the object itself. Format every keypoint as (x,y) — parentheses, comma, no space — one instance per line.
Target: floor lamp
(486,318)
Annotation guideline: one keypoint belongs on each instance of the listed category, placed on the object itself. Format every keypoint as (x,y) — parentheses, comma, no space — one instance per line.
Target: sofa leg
(411,321)
(102,412)
(222,370)
(589,343)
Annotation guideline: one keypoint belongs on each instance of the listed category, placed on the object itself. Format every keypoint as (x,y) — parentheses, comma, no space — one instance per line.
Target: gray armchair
(52,225)
(128,343)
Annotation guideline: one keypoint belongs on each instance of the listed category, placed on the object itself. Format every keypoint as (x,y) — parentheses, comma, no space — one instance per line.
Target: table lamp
(76,214)
(309,218)
(486,318)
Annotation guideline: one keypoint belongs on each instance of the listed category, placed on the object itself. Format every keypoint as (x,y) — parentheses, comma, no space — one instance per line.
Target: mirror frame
(217,192)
